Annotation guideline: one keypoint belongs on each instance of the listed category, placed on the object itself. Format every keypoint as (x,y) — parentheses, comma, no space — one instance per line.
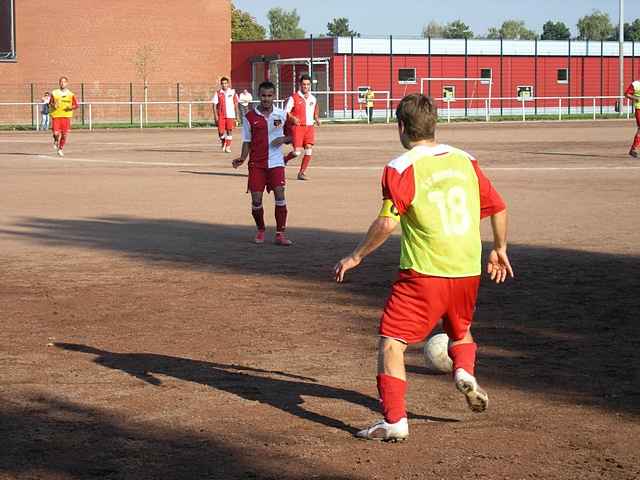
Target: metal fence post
(82,100)
(178,101)
(190,118)
(32,119)
(37,115)
(90,118)
(131,101)
(559,108)
(524,118)
(141,116)
(594,108)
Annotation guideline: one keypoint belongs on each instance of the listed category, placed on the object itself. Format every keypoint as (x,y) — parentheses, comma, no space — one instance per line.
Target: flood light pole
(621,51)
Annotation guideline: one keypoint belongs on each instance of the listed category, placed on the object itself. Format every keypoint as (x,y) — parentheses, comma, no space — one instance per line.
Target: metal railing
(199,112)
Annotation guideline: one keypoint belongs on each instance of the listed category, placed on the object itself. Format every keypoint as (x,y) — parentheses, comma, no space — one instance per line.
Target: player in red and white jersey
(302,114)
(225,113)
(262,139)
(633,94)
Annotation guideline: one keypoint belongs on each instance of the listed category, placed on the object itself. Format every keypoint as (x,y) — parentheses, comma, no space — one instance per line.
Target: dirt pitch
(144,337)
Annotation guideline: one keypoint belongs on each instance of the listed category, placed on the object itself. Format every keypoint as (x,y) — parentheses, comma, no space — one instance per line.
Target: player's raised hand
(236,162)
(347,263)
(498,265)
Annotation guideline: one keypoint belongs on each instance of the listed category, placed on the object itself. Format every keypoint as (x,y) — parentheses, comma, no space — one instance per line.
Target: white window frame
(453,89)
(526,99)
(558,71)
(485,80)
(408,82)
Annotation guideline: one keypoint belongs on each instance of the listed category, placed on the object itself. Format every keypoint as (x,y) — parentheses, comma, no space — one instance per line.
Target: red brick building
(98,43)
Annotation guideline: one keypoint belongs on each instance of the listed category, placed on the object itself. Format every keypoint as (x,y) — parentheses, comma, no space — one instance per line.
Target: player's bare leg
(306,160)
(295,153)
(463,354)
(61,143)
(281,217)
(257,211)
(226,145)
(392,387)
(56,140)
(635,148)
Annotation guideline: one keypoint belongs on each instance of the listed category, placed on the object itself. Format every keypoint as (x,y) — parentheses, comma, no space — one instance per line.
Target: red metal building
(519,71)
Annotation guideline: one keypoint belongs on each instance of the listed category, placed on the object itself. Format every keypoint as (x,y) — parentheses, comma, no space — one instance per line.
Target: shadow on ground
(46,437)
(566,327)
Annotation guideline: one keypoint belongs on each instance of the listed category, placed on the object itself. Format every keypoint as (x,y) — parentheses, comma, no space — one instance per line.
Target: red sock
(290,157)
(281,217)
(464,356)
(63,140)
(227,143)
(258,216)
(636,142)
(392,391)
(306,160)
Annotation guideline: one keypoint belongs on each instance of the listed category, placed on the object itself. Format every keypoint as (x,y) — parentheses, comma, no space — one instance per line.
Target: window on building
(485,73)
(449,93)
(407,75)
(563,75)
(7,30)
(524,92)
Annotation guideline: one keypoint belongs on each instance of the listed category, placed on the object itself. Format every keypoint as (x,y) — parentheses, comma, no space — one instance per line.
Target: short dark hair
(62,78)
(224,79)
(418,114)
(304,76)
(266,85)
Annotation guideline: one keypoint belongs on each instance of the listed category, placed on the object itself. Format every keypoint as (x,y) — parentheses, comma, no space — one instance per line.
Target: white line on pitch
(123,162)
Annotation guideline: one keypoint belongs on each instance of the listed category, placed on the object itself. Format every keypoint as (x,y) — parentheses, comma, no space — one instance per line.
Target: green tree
(244,26)
(631,31)
(457,29)
(555,31)
(634,31)
(433,29)
(596,26)
(339,27)
(512,30)
(284,24)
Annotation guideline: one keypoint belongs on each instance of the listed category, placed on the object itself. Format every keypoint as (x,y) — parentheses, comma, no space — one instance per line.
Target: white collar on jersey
(302,95)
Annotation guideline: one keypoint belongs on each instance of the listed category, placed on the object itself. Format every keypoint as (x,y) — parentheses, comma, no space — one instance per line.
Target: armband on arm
(389,210)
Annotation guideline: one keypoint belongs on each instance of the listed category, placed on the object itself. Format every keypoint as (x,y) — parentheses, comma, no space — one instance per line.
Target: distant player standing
(302,115)
(61,106)
(225,113)
(262,137)
(438,194)
(633,94)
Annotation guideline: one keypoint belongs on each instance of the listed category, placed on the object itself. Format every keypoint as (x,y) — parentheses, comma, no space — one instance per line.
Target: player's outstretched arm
(378,233)
(236,162)
(498,265)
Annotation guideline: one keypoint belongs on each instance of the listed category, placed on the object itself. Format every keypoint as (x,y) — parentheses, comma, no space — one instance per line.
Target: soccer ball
(436,354)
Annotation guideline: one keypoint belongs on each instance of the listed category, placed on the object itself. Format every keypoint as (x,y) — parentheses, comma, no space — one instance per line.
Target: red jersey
(303,108)
(260,131)
(225,102)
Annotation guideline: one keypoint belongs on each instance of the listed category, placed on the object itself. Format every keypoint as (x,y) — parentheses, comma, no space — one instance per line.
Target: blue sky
(407,17)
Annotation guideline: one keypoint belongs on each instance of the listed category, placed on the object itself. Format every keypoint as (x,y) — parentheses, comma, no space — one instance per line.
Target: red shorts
(61,124)
(638,117)
(417,302)
(269,178)
(303,135)
(226,125)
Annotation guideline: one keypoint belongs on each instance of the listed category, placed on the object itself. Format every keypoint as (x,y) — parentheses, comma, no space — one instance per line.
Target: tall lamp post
(621,51)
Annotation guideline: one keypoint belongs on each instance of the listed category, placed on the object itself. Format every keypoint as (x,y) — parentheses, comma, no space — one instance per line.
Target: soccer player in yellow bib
(438,194)
(633,94)
(62,104)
